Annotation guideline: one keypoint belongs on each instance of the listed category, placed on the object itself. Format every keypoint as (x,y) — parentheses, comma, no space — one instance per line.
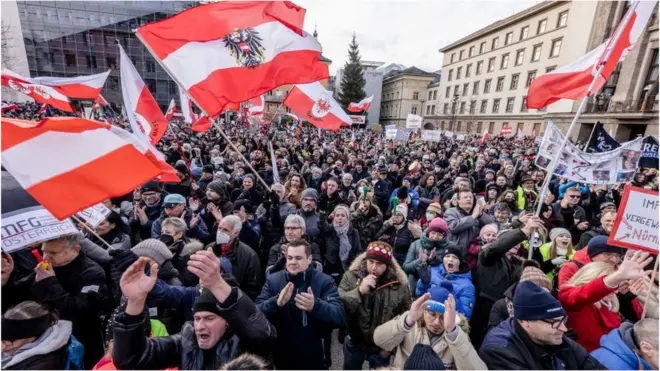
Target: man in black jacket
(382,189)
(535,337)
(147,210)
(226,323)
(304,306)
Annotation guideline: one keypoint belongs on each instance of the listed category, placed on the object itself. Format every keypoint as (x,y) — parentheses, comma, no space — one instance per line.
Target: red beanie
(438,225)
(380,251)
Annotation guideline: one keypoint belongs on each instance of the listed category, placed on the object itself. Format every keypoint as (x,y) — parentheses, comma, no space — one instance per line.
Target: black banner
(601,141)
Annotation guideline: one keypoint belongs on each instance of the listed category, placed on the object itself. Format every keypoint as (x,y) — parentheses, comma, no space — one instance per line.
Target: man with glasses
(147,210)
(535,337)
(570,201)
(294,229)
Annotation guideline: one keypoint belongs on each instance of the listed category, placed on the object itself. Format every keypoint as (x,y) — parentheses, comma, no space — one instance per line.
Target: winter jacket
(426,197)
(47,352)
(255,195)
(312,228)
(183,187)
(473,252)
(463,288)
(382,191)
(299,333)
(495,272)
(569,268)
(579,215)
(365,312)
(153,212)
(414,198)
(248,331)
(332,264)
(399,239)
(117,240)
(250,233)
(225,206)
(198,232)
(499,312)
(327,203)
(546,263)
(245,266)
(526,201)
(454,349)
(618,350)
(412,258)
(463,227)
(508,347)
(589,321)
(368,224)
(588,235)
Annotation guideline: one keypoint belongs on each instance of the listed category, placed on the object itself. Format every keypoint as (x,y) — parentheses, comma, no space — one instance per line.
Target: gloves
(559,260)
(424,273)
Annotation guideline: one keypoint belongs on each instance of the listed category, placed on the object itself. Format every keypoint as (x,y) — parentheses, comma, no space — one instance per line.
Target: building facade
(486,74)
(404,92)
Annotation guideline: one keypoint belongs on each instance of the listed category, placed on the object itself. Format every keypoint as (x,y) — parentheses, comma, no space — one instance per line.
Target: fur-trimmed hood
(394,271)
(191,247)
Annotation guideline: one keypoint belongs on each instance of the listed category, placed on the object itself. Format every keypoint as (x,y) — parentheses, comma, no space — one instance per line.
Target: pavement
(337,352)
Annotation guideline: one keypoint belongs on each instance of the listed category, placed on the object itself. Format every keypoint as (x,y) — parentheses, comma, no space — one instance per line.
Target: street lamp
(454,101)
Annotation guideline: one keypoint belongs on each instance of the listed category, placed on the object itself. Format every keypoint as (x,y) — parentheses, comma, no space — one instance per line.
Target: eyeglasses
(573,196)
(556,323)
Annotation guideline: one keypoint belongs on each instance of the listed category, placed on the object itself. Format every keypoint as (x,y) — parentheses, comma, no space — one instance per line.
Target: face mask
(429,217)
(166,239)
(222,238)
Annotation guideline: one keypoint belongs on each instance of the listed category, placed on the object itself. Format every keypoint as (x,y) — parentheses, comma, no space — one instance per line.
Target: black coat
(399,239)
(275,256)
(299,333)
(496,273)
(153,213)
(51,361)
(245,267)
(508,347)
(249,331)
(332,264)
(327,203)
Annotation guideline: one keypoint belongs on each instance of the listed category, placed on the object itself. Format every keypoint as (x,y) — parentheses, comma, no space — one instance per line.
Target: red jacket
(588,321)
(569,269)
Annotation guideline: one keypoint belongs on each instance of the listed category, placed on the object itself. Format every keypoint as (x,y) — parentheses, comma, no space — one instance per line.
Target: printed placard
(413,121)
(636,223)
(431,135)
(358,120)
(32,225)
(94,215)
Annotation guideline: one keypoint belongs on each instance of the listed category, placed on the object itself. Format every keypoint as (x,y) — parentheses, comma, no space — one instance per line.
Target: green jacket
(366,312)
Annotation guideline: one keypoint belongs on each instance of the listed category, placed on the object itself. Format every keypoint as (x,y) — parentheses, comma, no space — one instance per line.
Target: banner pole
(84,225)
(648,291)
(586,146)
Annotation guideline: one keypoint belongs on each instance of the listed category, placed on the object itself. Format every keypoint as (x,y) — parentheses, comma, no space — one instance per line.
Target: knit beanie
(438,225)
(403,210)
(453,249)
(217,187)
(434,208)
(151,186)
(206,302)
(310,193)
(534,274)
(154,249)
(556,232)
(598,245)
(423,357)
(379,251)
(441,292)
(532,303)
(402,193)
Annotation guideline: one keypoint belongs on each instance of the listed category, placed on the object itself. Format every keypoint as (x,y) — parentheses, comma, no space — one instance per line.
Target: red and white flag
(100,100)
(189,116)
(170,110)
(40,93)
(228,51)
(144,115)
(313,103)
(202,125)
(573,80)
(257,105)
(42,109)
(484,138)
(68,164)
(506,131)
(361,106)
(8,107)
(79,87)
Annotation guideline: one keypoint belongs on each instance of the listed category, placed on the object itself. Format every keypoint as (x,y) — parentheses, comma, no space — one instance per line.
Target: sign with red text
(358,120)
(636,223)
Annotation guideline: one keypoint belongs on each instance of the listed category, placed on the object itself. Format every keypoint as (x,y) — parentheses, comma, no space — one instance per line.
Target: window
(70,60)
(491,64)
(524,32)
(455,89)
(433,109)
(487,86)
(491,127)
(151,66)
(496,105)
(445,108)
(509,104)
(495,44)
(435,94)
(458,73)
(523,105)
(536,53)
(541,28)
(505,61)
(91,61)
(448,92)
(458,126)
(471,51)
(460,55)
(484,104)
(519,127)
(550,69)
(556,48)
(453,55)
(520,57)
(468,70)
(482,47)
(473,105)
(430,95)
(415,95)
(563,19)
(480,66)
(514,81)
(480,125)
(413,109)
(466,87)
(508,39)
(500,84)
(450,75)
(462,109)
(475,88)
(531,75)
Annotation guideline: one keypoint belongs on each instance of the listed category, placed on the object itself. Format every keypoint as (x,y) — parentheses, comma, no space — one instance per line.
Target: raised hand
(205,265)
(633,265)
(141,213)
(422,256)
(43,271)
(134,283)
(417,309)
(194,204)
(285,295)
(368,283)
(305,300)
(449,319)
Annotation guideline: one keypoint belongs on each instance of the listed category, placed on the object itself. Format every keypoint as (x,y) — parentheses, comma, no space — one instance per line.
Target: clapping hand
(417,309)
(285,295)
(449,319)
(305,300)
(194,204)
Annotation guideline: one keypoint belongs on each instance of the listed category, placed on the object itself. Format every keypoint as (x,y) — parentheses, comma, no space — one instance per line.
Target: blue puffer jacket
(616,352)
(463,287)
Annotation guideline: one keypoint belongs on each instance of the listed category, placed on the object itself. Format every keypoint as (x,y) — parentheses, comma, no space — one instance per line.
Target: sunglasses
(556,323)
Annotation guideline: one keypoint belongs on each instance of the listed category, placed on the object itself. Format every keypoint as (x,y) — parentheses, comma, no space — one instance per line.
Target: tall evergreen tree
(352,81)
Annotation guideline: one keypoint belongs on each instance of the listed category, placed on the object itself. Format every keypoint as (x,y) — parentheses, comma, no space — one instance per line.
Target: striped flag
(317,106)
(78,87)
(170,110)
(40,93)
(506,131)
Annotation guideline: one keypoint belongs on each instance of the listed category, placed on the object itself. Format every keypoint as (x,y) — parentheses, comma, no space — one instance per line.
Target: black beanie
(207,302)
(217,187)
(402,193)
(423,357)
(453,249)
(532,303)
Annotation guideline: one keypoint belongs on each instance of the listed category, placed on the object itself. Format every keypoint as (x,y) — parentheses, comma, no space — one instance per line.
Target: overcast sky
(408,32)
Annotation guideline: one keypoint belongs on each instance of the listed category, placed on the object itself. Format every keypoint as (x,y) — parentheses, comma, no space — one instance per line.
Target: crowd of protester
(416,252)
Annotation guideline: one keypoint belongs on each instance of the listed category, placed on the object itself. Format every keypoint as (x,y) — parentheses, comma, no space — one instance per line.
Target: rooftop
(411,71)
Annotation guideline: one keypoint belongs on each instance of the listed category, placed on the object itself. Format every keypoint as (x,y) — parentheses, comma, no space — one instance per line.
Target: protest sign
(460,137)
(449,134)
(636,223)
(431,135)
(413,121)
(94,215)
(649,157)
(358,120)
(390,132)
(32,225)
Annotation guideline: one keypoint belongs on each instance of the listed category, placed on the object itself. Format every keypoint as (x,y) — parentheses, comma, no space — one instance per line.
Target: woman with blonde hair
(556,252)
(589,297)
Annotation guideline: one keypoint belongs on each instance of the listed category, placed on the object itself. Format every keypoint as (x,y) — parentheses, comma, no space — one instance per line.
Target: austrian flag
(40,93)
(361,106)
(227,51)
(313,103)
(79,87)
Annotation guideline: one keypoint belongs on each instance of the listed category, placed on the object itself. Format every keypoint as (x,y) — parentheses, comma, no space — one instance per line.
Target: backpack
(555,278)
(74,355)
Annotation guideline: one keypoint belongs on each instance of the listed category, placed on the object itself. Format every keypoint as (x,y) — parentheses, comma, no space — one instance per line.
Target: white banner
(460,137)
(449,134)
(390,132)
(94,215)
(358,120)
(31,226)
(431,135)
(413,121)
(617,166)
(636,224)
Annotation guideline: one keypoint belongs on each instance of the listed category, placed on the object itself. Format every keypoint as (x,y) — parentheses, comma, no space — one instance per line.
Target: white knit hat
(154,249)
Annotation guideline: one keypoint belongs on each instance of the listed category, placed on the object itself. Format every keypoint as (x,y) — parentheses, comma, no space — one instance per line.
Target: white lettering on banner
(357,119)
(431,135)
(32,226)
(413,121)
(636,224)
(390,132)
(94,215)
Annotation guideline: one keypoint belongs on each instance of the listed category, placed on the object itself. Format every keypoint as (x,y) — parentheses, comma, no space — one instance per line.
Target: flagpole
(648,290)
(215,122)
(586,147)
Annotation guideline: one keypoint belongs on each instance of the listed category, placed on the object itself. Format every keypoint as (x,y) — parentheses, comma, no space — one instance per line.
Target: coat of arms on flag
(320,108)
(245,46)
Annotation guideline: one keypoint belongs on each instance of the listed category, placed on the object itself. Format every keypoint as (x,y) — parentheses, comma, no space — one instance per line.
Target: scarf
(344,243)
(426,243)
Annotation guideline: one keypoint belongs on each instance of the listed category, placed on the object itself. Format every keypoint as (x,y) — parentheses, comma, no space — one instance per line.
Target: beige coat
(459,354)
